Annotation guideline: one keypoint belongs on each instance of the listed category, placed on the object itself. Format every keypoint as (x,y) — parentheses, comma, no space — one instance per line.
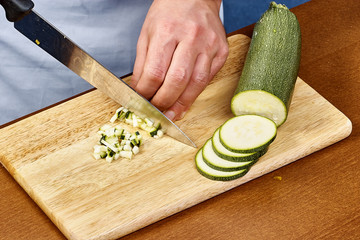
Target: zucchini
(247,133)
(214,174)
(224,153)
(271,66)
(125,115)
(218,163)
(116,142)
(250,134)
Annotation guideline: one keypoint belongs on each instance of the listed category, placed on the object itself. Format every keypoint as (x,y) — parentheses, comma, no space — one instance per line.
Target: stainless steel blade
(47,37)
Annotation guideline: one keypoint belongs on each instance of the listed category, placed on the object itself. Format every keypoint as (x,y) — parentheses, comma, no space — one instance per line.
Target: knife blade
(58,45)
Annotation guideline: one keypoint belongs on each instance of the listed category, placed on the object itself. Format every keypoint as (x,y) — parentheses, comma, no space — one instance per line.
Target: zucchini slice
(247,133)
(224,153)
(271,67)
(259,102)
(218,163)
(214,174)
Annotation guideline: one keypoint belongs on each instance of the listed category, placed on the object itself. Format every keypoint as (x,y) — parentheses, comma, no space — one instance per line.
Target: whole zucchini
(271,67)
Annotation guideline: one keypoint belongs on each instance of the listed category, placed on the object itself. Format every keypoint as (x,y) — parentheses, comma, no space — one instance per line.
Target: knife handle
(16,9)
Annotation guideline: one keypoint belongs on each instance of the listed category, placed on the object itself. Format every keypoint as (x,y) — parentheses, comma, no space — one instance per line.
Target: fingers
(199,80)
(177,77)
(189,72)
(152,67)
(205,69)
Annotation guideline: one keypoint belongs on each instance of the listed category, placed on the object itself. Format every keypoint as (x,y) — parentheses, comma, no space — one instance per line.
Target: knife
(51,40)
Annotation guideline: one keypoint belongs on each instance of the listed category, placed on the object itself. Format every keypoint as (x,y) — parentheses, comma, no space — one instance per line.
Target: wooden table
(318,196)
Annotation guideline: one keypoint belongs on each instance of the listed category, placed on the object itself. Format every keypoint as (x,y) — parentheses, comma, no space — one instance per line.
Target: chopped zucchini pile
(125,115)
(116,142)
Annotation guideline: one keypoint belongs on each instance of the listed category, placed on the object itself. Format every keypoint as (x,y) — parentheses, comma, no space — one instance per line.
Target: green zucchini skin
(272,62)
(209,157)
(216,175)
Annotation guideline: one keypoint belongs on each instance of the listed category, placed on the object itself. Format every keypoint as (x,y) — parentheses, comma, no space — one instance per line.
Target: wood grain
(50,157)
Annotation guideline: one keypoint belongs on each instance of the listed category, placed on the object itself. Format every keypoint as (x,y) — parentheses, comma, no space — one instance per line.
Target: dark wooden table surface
(318,196)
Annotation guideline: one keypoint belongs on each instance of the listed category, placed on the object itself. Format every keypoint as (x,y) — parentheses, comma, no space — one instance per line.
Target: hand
(182,45)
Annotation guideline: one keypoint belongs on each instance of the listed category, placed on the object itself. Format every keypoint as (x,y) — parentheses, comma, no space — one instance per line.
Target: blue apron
(30,79)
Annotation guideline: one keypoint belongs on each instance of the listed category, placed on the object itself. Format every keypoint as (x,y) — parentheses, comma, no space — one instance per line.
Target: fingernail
(182,115)
(170,115)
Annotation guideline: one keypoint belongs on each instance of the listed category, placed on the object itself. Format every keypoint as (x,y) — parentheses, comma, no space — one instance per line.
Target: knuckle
(209,46)
(212,38)
(177,77)
(167,27)
(155,74)
(194,32)
(215,45)
(201,79)
(161,104)
(224,51)
(194,28)
(224,48)
(181,105)
(221,55)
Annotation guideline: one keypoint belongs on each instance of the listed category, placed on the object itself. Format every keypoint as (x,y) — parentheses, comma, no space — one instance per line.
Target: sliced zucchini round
(214,174)
(218,163)
(247,133)
(224,153)
(259,102)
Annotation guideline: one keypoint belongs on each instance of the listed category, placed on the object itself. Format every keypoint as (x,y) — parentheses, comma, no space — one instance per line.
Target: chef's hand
(182,45)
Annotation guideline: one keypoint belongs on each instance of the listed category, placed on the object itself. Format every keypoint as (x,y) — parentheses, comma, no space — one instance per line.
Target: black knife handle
(16,9)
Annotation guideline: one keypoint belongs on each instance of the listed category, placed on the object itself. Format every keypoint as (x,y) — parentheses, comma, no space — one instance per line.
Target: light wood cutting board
(50,155)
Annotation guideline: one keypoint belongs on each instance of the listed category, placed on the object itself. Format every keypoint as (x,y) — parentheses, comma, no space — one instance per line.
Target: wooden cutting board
(50,156)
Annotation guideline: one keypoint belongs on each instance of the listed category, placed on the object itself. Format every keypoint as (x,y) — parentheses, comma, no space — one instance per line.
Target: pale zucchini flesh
(224,153)
(261,103)
(247,133)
